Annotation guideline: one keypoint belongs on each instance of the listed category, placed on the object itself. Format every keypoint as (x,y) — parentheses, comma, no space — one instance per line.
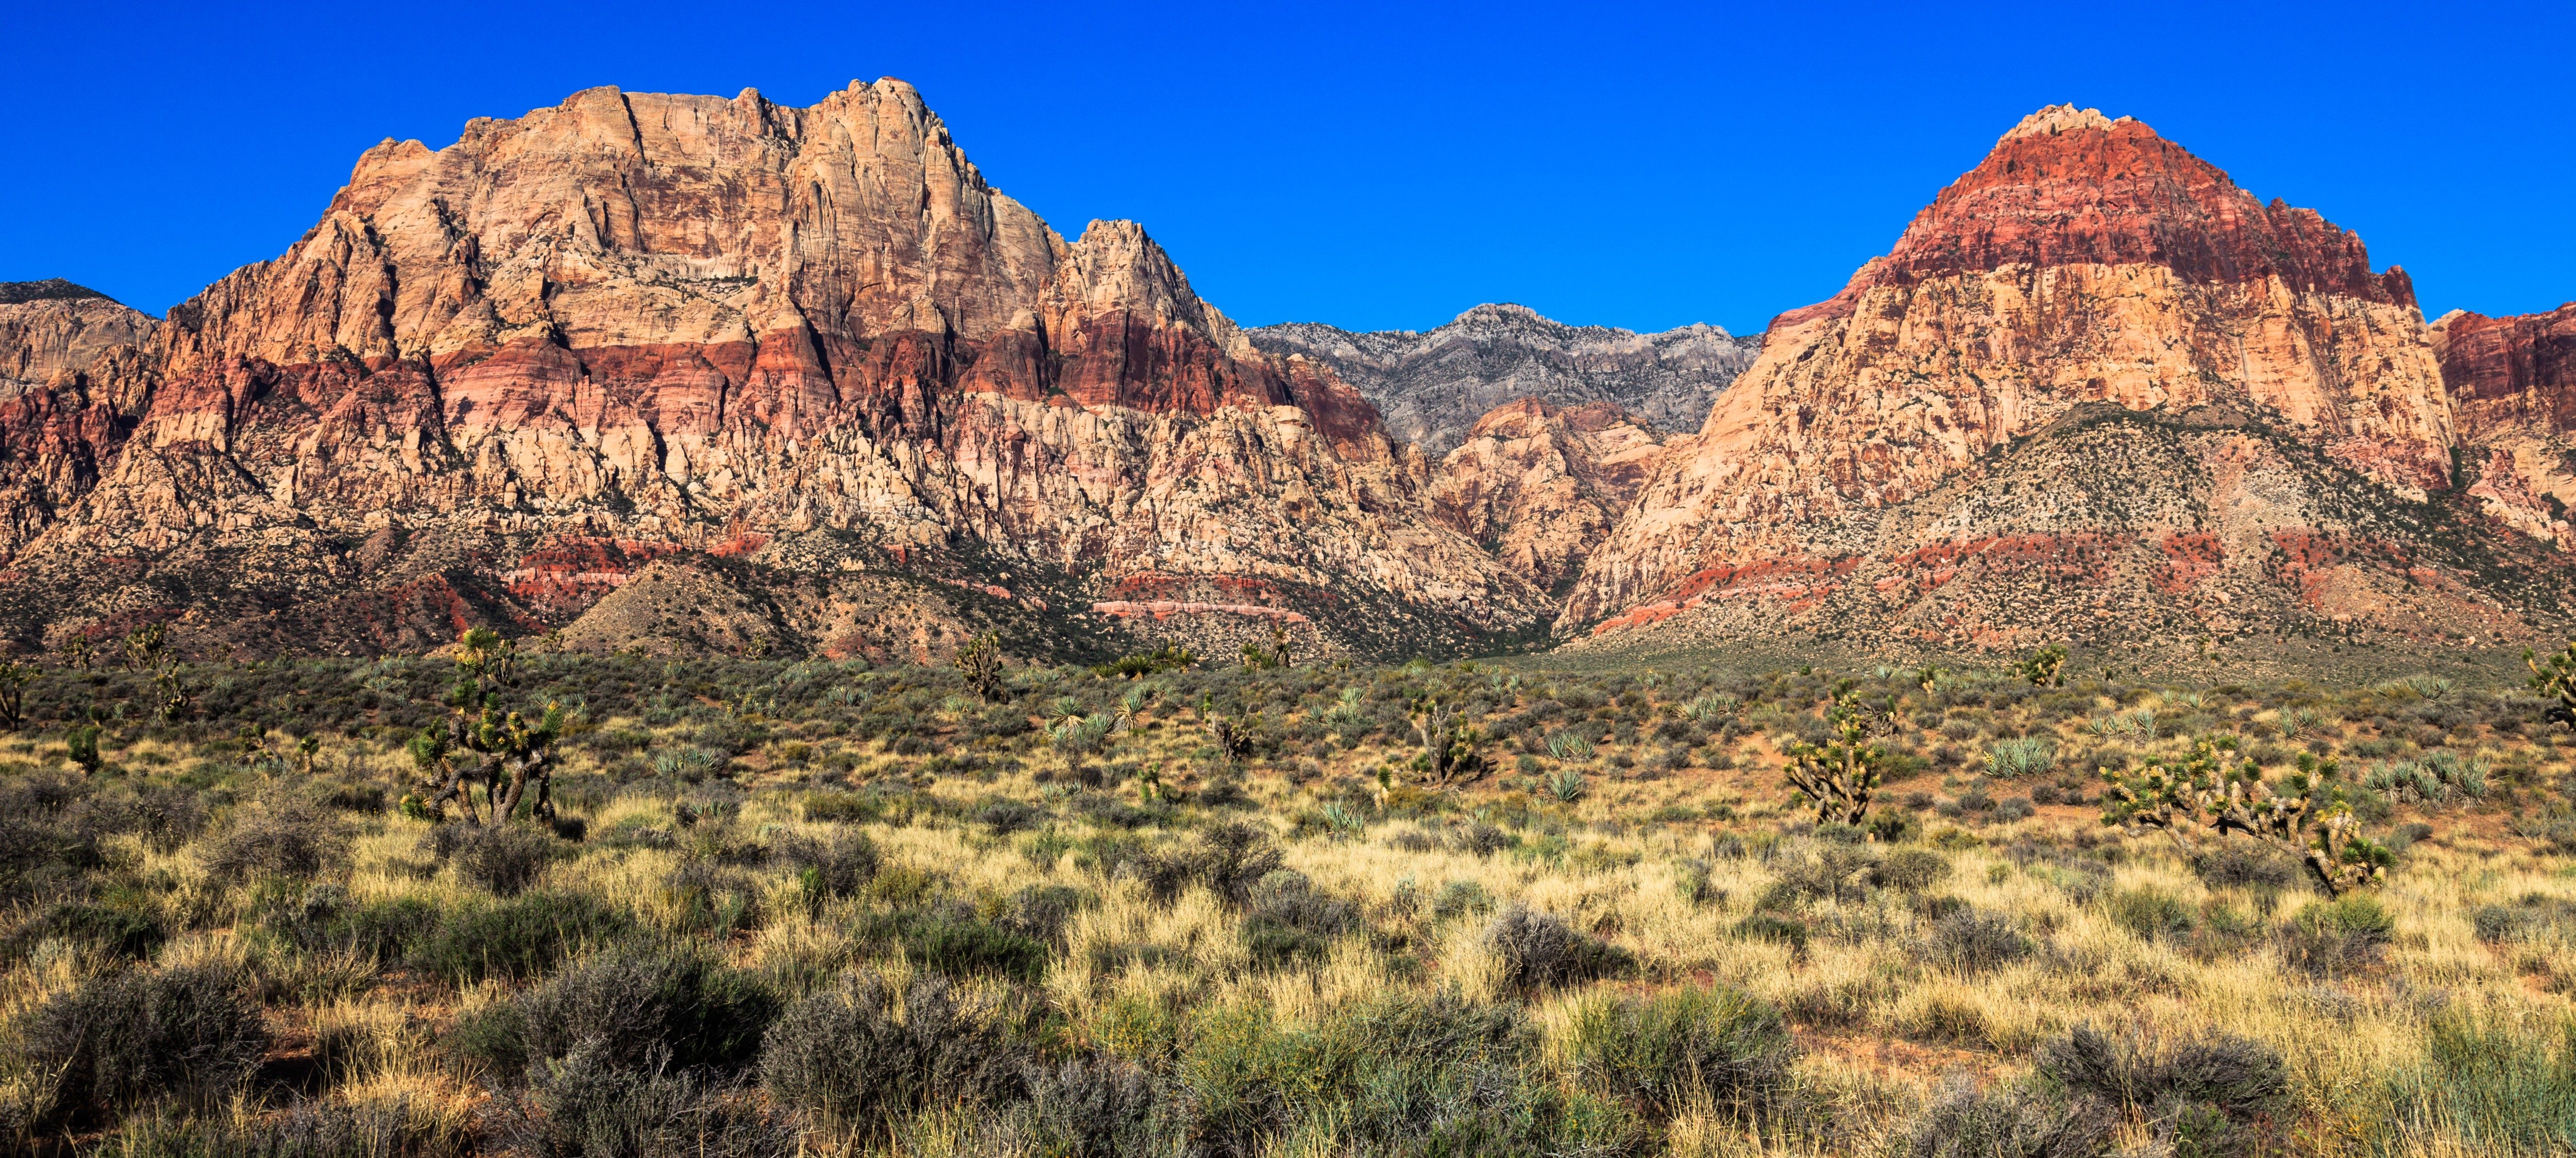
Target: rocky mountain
(2512,382)
(1433,386)
(1541,486)
(2095,391)
(806,355)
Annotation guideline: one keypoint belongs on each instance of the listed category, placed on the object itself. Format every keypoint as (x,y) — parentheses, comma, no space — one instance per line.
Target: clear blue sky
(1373,166)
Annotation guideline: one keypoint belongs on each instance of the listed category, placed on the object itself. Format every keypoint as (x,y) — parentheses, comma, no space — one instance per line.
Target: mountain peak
(2055,119)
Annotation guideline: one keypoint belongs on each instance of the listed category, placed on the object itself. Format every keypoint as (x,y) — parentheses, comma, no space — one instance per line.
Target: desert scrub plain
(819,908)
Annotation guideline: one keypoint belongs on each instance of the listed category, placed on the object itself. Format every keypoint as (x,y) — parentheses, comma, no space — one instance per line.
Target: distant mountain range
(1432,386)
(680,373)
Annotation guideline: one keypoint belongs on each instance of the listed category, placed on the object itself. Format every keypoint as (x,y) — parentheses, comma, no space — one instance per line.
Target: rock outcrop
(2513,395)
(1540,486)
(696,323)
(75,370)
(1433,386)
(2095,391)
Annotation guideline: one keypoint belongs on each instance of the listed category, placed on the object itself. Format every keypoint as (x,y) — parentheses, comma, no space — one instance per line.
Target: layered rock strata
(691,322)
(2095,390)
(2512,382)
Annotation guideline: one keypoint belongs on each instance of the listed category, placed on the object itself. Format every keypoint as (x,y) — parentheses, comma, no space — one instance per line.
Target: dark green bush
(133,1034)
(961,945)
(639,1004)
(1911,870)
(517,939)
(1540,951)
(2214,1095)
(1973,942)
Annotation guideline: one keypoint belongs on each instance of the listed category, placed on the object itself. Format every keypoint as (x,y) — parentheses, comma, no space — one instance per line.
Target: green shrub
(278,838)
(2499,1085)
(638,1004)
(2149,912)
(1775,928)
(2212,1095)
(125,1036)
(1540,951)
(1660,1053)
(519,939)
(1911,870)
(2029,756)
(960,945)
(1966,1121)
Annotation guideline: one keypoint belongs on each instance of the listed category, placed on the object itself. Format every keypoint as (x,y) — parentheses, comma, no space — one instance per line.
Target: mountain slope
(1434,385)
(2095,391)
(815,339)
(2512,382)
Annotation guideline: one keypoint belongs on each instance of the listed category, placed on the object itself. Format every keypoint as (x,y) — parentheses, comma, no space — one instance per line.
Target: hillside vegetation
(1253,907)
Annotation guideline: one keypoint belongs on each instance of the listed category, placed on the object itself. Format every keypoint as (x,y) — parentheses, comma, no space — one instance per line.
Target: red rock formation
(685,319)
(2221,362)
(2512,383)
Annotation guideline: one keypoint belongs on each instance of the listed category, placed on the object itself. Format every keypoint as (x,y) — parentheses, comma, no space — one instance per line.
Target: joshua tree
(1231,734)
(980,661)
(509,751)
(1839,776)
(2217,789)
(14,678)
(1275,656)
(1449,745)
(2045,667)
(76,651)
(2555,677)
(84,748)
(144,647)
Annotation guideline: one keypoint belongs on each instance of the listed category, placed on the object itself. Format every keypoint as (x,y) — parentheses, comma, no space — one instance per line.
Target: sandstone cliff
(1433,385)
(815,338)
(2513,394)
(1540,486)
(2095,391)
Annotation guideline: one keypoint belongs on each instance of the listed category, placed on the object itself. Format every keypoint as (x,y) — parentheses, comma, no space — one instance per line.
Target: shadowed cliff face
(2086,270)
(689,322)
(1540,486)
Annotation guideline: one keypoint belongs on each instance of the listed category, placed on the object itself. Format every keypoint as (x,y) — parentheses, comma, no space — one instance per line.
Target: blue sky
(1372,166)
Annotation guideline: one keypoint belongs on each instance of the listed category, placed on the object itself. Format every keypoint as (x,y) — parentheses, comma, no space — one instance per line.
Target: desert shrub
(1228,860)
(502,859)
(1400,1075)
(638,1005)
(2213,1095)
(1091,1107)
(1461,898)
(2332,938)
(517,939)
(1481,839)
(845,1056)
(2246,864)
(843,807)
(1540,951)
(115,930)
(278,838)
(326,920)
(838,865)
(133,1034)
(1972,942)
(2149,912)
(1911,870)
(1005,817)
(960,944)
(1661,1053)
(1775,928)
(1288,919)
(587,1107)
(307,1129)
(1966,1121)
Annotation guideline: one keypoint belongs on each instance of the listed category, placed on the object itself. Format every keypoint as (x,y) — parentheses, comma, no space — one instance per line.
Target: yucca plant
(1566,785)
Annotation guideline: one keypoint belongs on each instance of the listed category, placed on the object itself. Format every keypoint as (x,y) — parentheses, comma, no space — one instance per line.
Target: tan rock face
(2087,269)
(2512,382)
(685,320)
(1540,487)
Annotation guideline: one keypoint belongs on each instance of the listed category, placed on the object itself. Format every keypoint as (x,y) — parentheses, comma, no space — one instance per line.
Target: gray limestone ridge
(1432,386)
